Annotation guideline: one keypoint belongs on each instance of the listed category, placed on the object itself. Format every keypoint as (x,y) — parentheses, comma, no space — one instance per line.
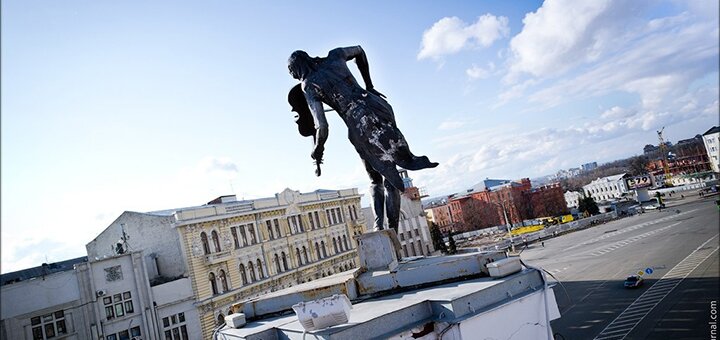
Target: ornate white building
(607,188)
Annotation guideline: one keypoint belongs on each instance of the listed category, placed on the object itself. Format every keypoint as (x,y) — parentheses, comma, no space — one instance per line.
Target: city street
(677,252)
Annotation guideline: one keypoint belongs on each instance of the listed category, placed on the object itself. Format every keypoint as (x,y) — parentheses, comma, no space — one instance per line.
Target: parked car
(633,281)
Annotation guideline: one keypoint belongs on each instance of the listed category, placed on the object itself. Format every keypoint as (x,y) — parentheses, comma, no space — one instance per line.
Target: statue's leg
(378,196)
(392,207)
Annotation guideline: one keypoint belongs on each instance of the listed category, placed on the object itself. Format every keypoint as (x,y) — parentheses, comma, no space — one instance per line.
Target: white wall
(148,233)
(39,296)
(514,320)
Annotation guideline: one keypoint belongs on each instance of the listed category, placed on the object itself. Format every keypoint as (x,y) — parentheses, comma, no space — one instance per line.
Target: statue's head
(300,65)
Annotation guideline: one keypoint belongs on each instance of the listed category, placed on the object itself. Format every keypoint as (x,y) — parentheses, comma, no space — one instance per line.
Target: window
(324,251)
(284,261)
(317,220)
(251,269)
(276,222)
(335,247)
(216,241)
(345,242)
(49,325)
(243,235)
(305,254)
(277,264)
(252,233)
(260,269)
(213,283)
(118,305)
(233,230)
(243,275)
(269,229)
(312,222)
(205,244)
(223,281)
(174,327)
(299,258)
(317,250)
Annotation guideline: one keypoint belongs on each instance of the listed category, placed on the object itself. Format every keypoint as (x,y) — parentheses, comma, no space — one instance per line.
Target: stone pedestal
(379,250)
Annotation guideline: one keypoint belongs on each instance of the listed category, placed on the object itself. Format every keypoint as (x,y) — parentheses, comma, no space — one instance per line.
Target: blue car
(633,281)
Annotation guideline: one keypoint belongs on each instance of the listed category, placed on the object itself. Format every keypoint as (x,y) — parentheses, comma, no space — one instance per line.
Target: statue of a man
(370,120)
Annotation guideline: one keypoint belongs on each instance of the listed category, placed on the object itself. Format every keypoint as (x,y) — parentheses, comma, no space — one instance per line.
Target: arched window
(261,273)
(322,247)
(205,244)
(305,254)
(277,264)
(335,248)
(251,269)
(213,283)
(223,281)
(345,242)
(216,240)
(317,250)
(299,259)
(220,319)
(243,275)
(284,261)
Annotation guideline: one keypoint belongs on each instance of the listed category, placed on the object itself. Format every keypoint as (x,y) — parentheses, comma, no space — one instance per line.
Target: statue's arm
(321,125)
(357,53)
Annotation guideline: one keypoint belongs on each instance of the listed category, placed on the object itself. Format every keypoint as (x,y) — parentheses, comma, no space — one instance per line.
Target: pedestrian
(543,244)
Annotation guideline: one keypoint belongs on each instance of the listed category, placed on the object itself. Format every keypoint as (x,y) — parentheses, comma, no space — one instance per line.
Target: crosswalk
(625,242)
(629,229)
(633,314)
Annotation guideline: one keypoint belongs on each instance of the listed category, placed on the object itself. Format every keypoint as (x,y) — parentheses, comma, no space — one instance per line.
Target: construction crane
(664,152)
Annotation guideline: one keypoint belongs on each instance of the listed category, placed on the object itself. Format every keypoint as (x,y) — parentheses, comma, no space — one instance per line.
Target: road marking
(628,229)
(620,244)
(650,298)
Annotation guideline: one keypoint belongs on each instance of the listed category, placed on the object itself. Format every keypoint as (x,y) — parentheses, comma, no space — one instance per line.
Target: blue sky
(110,106)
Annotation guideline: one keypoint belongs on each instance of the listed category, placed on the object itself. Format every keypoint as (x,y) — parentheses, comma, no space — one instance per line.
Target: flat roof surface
(406,308)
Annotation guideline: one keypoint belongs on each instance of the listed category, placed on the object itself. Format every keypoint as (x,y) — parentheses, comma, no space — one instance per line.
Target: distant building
(572,198)
(687,161)
(589,166)
(438,212)
(45,302)
(175,273)
(608,188)
(506,202)
(413,230)
(711,139)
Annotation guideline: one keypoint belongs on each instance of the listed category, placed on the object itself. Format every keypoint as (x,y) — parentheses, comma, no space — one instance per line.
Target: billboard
(639,182)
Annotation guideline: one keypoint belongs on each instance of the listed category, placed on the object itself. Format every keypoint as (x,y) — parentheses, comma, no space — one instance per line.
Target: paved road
(675,301)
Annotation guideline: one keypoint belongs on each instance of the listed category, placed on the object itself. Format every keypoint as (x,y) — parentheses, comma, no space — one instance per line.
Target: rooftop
(416,297)
(42,270)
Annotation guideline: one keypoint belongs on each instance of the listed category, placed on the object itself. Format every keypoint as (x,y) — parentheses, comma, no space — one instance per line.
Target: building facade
(572,199)
(711,140)
(438,212)
(413,230)
(44,303)
(608,188)
(174,274)
(238,250)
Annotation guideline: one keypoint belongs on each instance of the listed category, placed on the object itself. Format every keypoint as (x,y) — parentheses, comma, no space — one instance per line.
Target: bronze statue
(370,120)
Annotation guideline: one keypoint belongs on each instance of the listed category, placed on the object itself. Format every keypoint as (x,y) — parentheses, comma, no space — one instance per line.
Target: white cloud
(564,33)
(477,72)
(450,125)
(450,35)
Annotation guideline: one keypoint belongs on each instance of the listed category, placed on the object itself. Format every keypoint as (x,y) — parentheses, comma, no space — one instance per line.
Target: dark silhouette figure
(369,118)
